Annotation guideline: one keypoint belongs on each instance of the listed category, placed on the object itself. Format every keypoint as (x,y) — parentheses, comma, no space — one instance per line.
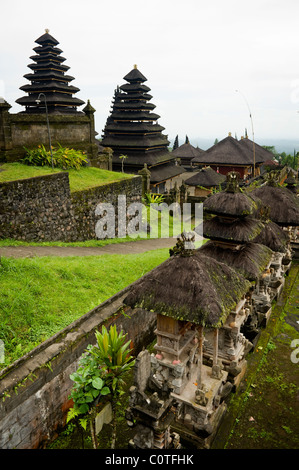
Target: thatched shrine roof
(194,288)
(250,260)
(240,230)
(273,236)
(283,204)
(206,177)
(232,201)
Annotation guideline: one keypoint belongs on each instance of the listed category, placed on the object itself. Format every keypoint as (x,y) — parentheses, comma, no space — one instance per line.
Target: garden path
(138,246)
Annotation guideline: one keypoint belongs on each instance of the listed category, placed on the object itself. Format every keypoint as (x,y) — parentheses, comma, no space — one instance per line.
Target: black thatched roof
(135,76)
(228,151)
(261,154)
(273,237)
(206,177)
(250,260)
(241,230)
(232,201)
(130,128)
(283,204)
(138,158)
(164,172)
(230,204)
(47,39)
(187,151)
(192,288)
(49,78)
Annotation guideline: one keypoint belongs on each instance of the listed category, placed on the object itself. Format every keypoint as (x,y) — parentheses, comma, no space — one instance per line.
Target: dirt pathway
(139,246)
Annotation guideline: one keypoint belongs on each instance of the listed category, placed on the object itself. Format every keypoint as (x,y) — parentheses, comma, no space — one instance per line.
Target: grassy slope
(85,178)
(40,296)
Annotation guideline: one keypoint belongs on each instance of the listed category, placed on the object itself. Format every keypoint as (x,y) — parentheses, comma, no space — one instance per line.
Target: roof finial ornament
(185,245)
(47,30)
(135,66)
(232,182)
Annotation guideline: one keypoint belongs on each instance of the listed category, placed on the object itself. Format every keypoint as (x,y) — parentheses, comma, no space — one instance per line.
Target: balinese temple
(49,76)
(230,155)
(132,130)
(175,395)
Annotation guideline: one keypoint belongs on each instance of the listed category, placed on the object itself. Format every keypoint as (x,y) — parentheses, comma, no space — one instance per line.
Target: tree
(122,157)
(176,143)
(187,140)
(100,373)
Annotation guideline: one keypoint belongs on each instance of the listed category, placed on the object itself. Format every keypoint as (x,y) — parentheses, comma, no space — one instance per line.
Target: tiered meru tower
(132,129)
(49,77)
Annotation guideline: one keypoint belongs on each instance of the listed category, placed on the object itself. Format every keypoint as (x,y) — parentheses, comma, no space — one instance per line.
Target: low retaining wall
(43,208)
(34,390)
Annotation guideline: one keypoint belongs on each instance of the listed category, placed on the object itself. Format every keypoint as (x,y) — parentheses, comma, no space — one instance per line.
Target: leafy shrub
(153,199)
(63,157)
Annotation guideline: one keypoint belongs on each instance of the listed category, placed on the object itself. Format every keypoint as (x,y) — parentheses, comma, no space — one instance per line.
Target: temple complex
(134,135)
(49,77)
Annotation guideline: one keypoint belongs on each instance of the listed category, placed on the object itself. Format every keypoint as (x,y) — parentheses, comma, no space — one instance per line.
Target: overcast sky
(194,53)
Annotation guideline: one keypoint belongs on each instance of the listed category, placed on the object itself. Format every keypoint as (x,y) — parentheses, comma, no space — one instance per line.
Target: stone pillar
(146,176)
(5,127)
(89,111)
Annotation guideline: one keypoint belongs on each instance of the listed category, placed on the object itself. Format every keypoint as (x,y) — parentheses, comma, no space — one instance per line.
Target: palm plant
(113,352)
(100,373)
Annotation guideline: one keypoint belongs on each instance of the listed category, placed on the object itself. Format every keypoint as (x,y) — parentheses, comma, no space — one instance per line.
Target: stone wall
(34,390)
(43,208)
(37,208)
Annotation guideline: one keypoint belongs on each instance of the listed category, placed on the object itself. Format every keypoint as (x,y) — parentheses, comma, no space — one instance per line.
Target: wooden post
(200,343)
(215,349)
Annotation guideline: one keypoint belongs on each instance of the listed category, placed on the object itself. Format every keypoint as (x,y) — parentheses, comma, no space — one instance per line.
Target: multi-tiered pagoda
(49,77)
(132,130)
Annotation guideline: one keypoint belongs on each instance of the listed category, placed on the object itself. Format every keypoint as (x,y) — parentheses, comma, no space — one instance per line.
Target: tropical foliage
(100,373)
(151,198)
(62,157)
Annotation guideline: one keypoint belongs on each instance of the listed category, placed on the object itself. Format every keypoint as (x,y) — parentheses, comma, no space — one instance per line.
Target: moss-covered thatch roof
(230,204)
(241,230)
(192,288)
(250,260)
(273,236)
(232,201)
(283,204)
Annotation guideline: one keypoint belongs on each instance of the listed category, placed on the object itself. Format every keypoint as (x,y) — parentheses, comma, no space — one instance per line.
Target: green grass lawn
(41,296)
(85,178)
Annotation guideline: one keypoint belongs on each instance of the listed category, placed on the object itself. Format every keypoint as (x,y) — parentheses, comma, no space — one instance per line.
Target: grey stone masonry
(43,208)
